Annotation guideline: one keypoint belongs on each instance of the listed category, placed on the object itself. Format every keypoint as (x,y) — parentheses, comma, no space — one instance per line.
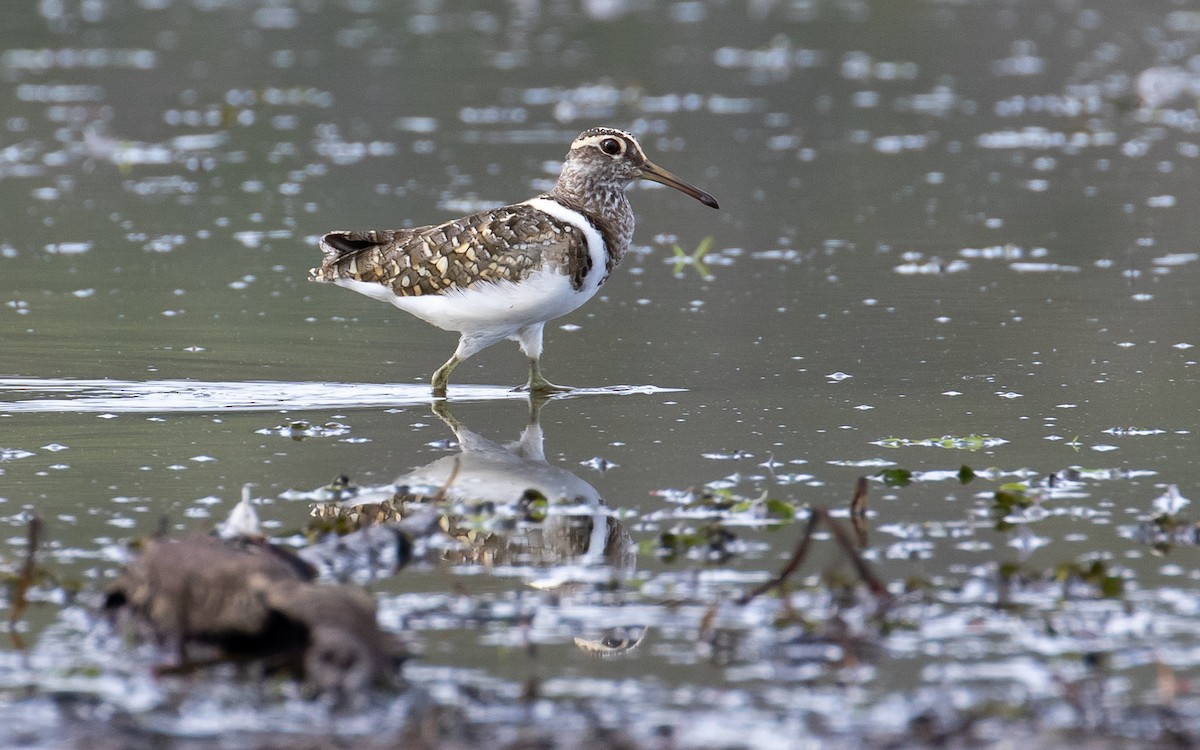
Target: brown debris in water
(248,600)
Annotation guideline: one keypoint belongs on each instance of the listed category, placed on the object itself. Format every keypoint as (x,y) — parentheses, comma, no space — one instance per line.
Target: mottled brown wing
(504,244)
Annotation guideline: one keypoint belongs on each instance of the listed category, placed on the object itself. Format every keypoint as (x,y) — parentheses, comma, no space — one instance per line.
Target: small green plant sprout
(695,259)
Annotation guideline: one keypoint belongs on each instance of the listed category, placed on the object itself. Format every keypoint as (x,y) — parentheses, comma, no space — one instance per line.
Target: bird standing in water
(502,273)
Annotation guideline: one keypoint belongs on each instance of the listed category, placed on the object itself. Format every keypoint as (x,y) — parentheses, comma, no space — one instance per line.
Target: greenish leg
(441,408)
(538,385)
(441,378)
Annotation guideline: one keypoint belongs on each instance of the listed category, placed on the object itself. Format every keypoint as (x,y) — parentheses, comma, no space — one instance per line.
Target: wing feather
(505,244)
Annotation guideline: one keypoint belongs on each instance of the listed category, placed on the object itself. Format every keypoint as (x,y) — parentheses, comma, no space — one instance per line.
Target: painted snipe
(501,274)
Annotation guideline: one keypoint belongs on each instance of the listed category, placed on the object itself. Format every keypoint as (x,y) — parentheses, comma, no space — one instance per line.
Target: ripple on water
(116,396)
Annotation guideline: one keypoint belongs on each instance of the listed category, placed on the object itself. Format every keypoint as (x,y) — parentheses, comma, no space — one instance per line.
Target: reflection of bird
(501,274)
(612,641)
(243,519)
(488,474)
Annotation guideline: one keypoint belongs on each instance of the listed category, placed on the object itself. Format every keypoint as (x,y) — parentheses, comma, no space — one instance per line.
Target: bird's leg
(441,409)
(469,344)
(441,378)
(536,403)
(530,340)
(538,385)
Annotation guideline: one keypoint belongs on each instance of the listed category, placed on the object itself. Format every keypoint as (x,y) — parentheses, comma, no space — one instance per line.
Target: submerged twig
(861,566)
(842,537)
(792,565)
(706,622)
(858,512)
(24,580)
(440,495)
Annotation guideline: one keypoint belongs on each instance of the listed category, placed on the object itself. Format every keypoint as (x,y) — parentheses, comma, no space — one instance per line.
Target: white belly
(499,306)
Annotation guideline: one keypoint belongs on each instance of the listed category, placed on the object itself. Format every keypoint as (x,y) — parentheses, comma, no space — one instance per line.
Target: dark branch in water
(441,494)
(861,566)
(24,580)
(792,565)
(843,539)
(858,512)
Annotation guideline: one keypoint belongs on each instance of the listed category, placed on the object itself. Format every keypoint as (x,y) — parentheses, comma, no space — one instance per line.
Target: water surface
(938,220)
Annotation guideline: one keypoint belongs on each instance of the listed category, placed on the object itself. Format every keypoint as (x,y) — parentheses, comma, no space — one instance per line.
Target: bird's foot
(538,386)
(541,388)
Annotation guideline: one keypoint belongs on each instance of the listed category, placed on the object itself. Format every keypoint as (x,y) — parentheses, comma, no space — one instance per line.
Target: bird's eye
(610,146)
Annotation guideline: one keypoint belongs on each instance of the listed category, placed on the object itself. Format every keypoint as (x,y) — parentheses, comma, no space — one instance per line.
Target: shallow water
(937,220)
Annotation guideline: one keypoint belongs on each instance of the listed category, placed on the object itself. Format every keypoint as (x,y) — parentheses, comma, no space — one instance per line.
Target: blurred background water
(971,220)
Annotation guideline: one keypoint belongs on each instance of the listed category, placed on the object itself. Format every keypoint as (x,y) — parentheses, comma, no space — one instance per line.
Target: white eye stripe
(596,140)
(627,144)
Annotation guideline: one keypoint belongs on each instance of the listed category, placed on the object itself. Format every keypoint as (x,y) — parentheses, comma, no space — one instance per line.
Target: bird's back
(502,244)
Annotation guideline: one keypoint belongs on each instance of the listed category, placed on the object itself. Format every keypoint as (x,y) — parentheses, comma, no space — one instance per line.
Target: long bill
(655,173)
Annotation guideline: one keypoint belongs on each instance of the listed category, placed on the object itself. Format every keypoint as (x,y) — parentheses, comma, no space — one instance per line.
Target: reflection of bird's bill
(614,641)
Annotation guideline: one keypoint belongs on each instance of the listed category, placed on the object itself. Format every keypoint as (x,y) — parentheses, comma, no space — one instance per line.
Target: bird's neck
(605,205)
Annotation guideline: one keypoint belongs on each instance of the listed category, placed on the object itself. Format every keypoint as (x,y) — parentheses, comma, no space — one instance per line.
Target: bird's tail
(338,250)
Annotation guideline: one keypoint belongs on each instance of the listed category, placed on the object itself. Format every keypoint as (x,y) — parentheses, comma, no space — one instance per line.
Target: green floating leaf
(667,546)
(896,477)
(1063,571)
(950,442)
(1112,587)
(1007,499)
(1097,574)
(918,583)
(780,509)
(1008,570)
(1012,496)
